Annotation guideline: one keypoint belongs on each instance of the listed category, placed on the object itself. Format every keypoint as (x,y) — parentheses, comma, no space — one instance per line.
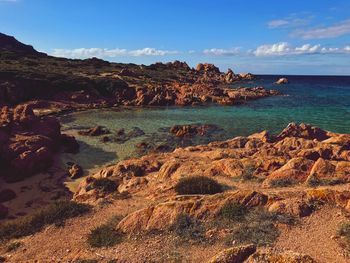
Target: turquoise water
(320,101)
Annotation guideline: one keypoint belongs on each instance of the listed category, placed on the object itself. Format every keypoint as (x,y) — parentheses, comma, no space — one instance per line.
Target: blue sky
(282,37)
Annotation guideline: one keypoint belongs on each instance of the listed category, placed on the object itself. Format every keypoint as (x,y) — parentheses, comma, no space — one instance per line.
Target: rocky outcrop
(75,171)
(234,255)
(282,81)
(28,142)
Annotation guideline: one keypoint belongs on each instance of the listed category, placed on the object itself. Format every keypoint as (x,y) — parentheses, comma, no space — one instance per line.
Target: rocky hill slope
(26,74)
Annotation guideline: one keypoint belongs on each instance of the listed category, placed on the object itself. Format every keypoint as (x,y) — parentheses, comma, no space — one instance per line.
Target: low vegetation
(257,226)
(233,211)
(197,185)
(55,213)
(13,246)
(187,228)
(105,185)
(282,182)
(314,182)
(344,241)
(105,235)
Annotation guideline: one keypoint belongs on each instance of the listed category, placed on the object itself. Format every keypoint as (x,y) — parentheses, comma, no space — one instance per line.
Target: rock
(28,142)
(207,68)
(193,129)
(285,257)
(7,195)
(234,255)
(303,131)
(282,81)
(96,131)
(3,211)
(76,171)
(70,144)
(247,76)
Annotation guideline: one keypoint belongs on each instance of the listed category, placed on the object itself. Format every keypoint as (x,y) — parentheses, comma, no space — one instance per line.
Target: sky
(262,37)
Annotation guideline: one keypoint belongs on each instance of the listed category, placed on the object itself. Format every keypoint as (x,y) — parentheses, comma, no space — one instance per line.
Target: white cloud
(337,30)
(284,49)
(277,23)
(221,52)
(109,53)
(291,21)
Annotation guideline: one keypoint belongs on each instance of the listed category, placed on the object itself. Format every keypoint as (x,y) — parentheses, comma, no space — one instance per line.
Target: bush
(105,235)
(13,246)
(259,227)
(282,182)
(187,228)
(314,182)
(248,173)
(233,211)
(344,231)
(197,185)
(105,185)
(55,213)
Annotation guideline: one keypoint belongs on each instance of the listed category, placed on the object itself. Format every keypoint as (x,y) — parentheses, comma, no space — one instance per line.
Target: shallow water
(320,101)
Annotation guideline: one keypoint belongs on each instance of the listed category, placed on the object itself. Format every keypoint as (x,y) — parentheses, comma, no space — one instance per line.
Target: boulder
(285,257)
(282,81)
(234,255)
(75,171)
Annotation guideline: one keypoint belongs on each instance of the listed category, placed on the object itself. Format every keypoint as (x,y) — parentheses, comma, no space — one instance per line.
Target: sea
(322,101)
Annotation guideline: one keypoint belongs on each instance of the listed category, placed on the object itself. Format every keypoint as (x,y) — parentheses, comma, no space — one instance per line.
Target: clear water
(322,101)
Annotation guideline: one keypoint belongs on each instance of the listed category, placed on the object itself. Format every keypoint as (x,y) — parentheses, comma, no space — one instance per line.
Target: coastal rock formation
(264,160)
(91,83)
(28,142)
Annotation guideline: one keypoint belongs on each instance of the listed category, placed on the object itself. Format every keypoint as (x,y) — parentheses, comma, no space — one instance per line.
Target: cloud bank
(333,31)
(284,49)
(110,53)
(221,52)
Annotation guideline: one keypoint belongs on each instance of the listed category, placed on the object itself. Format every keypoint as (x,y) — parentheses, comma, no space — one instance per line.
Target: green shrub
(248,173)
(187,227)
(197,185)
(314,182)
(105,235)
(233,211)
(344,231)
(258,227)
(55,213)
(282,182)
(105,185)
(13,246)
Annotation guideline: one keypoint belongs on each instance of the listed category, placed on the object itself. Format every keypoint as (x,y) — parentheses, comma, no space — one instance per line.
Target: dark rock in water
(3,211)
(96,131)
(70,144)
(7,195)
(121,136)
(193,129)
(105,139)
(75,171)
